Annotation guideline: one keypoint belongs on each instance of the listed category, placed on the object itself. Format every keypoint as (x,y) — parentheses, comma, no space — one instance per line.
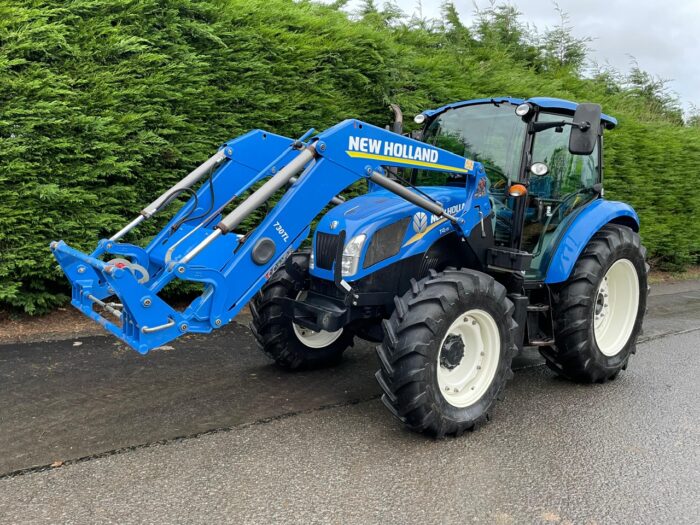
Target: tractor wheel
(447,352)
(292,346)
(598,311)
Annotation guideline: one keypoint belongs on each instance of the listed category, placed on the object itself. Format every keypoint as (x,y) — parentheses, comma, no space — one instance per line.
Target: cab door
(552,198)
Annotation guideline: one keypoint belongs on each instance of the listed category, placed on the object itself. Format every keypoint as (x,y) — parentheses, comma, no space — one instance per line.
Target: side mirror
(585,129)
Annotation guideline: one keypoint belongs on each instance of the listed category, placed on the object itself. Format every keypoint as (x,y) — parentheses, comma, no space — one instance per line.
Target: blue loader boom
(201,245)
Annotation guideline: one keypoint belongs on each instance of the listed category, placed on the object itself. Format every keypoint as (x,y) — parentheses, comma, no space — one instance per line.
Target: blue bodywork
(368,213)
(579,231)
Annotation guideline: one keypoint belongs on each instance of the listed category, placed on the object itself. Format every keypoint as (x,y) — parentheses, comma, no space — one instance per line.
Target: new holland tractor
(483,232)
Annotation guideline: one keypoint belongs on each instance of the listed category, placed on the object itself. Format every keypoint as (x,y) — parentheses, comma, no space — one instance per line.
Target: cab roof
(557,104)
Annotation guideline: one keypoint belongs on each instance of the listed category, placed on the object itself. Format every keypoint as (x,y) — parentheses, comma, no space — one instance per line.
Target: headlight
(351,255)
(311,260)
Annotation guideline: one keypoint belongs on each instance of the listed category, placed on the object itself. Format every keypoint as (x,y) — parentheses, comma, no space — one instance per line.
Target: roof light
(419,119)
(523,110)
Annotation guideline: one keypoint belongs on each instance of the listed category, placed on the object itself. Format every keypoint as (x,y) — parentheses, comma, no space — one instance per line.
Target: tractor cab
(535,182)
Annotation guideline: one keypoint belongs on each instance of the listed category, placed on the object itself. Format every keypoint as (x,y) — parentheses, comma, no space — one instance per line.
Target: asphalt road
(319,447)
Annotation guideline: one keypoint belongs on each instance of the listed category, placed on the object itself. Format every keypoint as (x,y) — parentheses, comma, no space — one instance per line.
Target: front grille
(326,248)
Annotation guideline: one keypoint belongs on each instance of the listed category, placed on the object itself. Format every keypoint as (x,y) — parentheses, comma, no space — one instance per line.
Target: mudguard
(581,229)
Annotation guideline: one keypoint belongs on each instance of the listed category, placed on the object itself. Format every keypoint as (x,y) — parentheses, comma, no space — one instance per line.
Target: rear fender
(581,229)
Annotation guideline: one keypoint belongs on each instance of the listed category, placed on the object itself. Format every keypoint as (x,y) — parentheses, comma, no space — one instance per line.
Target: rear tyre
(598,311)
(447,352)
(292,346)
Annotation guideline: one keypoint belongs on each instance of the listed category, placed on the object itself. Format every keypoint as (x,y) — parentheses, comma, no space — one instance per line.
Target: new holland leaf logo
(420,222)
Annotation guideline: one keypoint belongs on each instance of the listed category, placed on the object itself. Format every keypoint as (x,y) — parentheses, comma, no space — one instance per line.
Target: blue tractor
(483,232)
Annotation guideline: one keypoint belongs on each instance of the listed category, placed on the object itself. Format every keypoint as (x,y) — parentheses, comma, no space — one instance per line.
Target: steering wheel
(560,209)
(500,184)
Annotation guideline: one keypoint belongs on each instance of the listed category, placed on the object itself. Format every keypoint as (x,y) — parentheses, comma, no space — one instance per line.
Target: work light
(523,110)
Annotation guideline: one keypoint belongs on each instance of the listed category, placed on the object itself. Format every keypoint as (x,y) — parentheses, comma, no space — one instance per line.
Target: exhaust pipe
(397,126)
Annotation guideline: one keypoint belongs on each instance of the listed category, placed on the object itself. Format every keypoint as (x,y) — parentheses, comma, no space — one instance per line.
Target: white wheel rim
(311,338)
(464,380)
(615,307)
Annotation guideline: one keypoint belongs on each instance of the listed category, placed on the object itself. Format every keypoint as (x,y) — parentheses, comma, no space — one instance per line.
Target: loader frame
(200,244)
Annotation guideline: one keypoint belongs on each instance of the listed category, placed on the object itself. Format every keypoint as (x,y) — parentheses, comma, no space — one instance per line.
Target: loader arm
(201,244)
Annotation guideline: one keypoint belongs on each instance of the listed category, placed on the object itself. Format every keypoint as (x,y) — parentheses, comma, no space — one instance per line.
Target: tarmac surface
(209,431)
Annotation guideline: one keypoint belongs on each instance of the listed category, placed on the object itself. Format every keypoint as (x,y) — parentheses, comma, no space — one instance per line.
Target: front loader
(482,233)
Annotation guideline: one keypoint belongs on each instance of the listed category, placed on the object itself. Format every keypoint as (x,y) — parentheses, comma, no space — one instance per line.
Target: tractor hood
(393,229)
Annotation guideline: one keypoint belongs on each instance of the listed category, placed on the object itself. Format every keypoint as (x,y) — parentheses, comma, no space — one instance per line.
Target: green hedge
(103,104)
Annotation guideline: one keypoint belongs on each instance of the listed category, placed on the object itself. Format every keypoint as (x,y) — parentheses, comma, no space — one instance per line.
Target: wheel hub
(469,357)
(452,352)
(602,307)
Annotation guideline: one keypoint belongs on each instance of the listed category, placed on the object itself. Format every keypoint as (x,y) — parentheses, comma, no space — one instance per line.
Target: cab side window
(554,196)
(567,173)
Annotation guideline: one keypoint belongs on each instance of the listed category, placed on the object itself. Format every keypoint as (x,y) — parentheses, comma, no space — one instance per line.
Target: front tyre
(447,352)
(293,346)
(598,311)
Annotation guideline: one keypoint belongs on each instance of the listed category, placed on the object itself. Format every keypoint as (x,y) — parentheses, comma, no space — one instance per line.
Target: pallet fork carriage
(483,232)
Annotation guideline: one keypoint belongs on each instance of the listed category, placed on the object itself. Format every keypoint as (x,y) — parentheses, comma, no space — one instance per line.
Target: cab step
(537,307)
(542,342)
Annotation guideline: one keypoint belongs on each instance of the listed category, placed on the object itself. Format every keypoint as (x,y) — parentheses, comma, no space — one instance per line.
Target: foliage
(560,49)
(104,104)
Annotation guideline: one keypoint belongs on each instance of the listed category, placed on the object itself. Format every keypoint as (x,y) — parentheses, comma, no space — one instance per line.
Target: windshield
(490,134)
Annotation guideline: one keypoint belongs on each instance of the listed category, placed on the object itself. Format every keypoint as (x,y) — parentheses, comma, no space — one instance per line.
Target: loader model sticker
(278,264)
(280,229)
(398,153)
(481,187)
